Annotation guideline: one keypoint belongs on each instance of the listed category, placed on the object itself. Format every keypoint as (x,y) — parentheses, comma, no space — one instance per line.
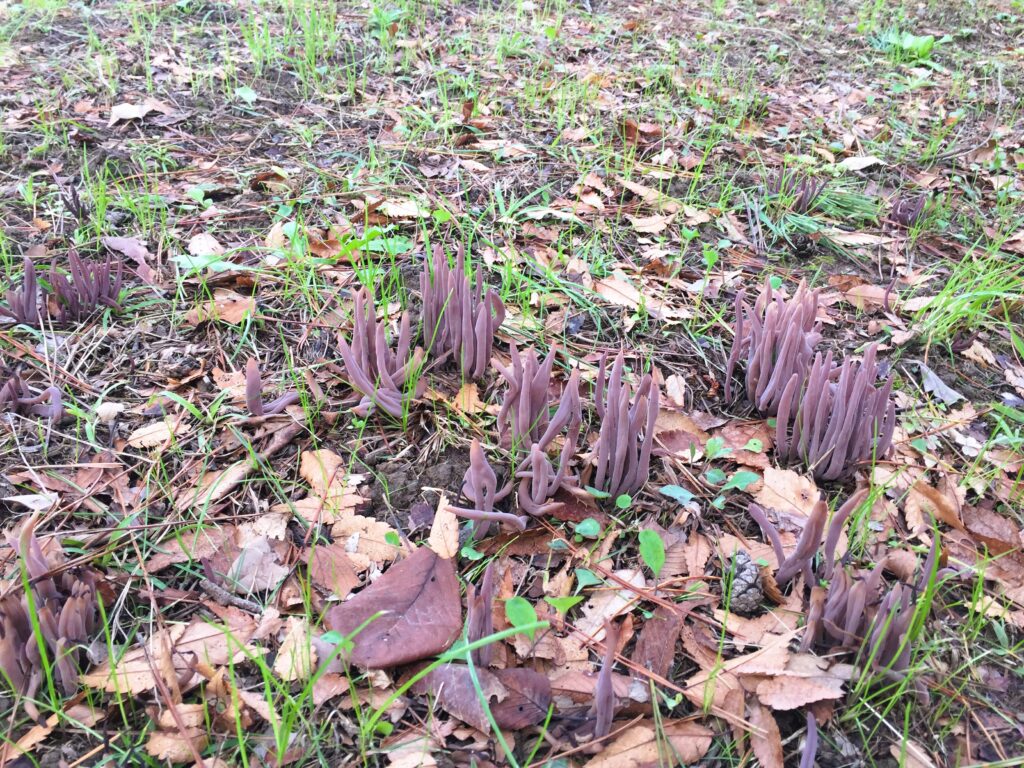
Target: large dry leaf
(189,546)
(135,672)
(331,568)
(656,648)
(529,696)
(788,493)
(324,470)
(992,529)
(74,712)
(421,611)
(618,290)
(609,603)
(444,532)
(174,746)
(174,652)
(215,485)
(650,196)
(766,740)
(257,568)
(159,432)
(296,657)
(643,745)
(923,503)
(226,306)
(453,688)
(366,540)
(806,679)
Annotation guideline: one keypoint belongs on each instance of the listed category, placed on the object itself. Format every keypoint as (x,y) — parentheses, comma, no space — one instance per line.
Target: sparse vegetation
(367,383)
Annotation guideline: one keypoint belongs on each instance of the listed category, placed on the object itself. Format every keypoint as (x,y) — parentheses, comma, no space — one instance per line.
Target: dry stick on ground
(777,338)
(380,374)
(833,425)
(623,454)
(458,318)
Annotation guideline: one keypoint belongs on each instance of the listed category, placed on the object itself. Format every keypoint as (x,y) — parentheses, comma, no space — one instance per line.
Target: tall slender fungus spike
(459,318)
(838,419)
(626,437)
(777,337)
(383,375)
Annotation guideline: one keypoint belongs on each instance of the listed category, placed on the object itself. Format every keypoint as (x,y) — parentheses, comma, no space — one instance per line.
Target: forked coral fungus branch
(459,317)
(626,434)
(381,374)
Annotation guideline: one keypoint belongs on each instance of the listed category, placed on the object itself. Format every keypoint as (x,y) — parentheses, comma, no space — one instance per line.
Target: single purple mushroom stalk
(623,453)
(459,318)
(92,285)
(480,486)
(777,338)
(603,709)
(381,374)
(23,303)
(832,420)
(64,607)
(254,393)
(16,396)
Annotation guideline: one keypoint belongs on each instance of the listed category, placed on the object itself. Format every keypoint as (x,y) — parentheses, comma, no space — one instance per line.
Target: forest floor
(291,588)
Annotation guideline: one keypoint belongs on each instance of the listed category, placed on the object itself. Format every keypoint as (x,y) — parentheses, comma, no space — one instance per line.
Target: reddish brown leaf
(421,613)
(529,695)
(656,647)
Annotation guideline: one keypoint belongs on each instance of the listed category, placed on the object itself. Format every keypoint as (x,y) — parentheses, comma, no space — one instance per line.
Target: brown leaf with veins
(225,306)
(656,648)
(788,493)
(421,608)
(643,745)
(529,696)
(517,698)
(766,741)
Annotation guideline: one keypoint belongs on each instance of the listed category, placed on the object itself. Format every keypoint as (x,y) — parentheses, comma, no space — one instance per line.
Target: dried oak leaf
(421,613)
(643,745)
(766,739)
(175,746)
(656,647)
(806,679)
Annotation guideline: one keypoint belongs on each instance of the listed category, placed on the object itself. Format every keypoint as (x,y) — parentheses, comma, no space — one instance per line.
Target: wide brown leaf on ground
(411,612)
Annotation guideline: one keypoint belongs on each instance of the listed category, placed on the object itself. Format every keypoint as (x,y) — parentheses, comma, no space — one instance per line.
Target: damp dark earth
(578,383)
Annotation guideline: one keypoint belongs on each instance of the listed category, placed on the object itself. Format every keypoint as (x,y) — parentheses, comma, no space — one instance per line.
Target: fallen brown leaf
(643,745)
(420,609)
